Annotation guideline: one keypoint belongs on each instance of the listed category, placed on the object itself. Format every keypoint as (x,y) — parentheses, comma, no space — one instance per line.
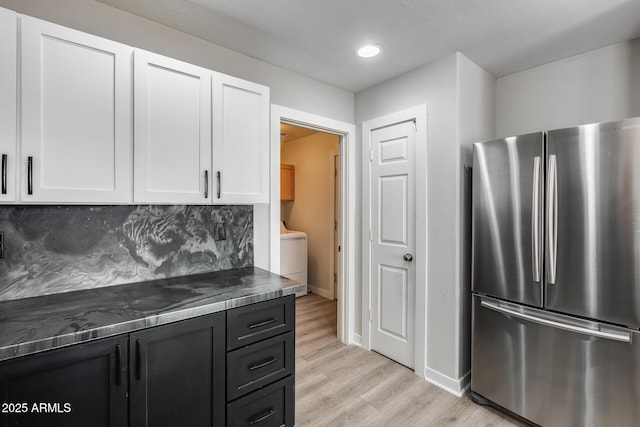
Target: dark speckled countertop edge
(230,293)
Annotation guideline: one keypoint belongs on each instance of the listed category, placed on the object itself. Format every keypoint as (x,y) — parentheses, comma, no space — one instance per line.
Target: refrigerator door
(508,183)
(555,370)
(593,222)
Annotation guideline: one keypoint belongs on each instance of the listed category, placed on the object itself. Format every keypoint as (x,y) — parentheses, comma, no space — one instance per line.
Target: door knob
(408,257)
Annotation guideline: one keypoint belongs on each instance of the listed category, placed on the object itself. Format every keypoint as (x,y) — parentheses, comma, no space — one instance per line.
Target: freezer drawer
(555,370)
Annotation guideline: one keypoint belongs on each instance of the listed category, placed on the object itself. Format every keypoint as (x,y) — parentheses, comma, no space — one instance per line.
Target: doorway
(308,195)
(267,217)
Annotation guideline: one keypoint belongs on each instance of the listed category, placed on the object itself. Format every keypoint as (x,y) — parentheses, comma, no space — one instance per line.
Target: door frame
(267,217)
(418,115)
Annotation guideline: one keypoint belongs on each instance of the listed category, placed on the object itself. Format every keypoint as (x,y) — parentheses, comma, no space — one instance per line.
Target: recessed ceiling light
(368,50)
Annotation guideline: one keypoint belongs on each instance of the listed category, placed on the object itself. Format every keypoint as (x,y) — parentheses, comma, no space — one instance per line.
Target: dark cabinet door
(83,385)
(177,374)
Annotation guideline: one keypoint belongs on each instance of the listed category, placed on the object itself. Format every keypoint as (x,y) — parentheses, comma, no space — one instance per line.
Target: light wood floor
(340,385)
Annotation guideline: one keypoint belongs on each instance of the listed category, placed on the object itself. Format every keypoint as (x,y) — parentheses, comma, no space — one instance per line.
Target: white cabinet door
(76,116)
(240,141)
(8,104)
(172,130)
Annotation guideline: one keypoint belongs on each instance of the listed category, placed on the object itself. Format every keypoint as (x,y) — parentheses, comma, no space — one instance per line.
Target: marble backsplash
(53,249)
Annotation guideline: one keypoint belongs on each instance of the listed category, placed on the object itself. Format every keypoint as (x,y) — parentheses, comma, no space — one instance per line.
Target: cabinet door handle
(259,418)
(259,324)
(4,173)
(263,364)
(118,365)
(218,175)
(206,184)
(29,175)
(138,360)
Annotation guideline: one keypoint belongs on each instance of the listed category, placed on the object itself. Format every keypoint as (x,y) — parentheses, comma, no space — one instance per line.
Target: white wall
(476,122)
(460,103)
(312,209)
(287,88)
(597,86)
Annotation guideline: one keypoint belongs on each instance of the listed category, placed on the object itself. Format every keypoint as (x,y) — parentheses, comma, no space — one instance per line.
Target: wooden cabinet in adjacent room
(287,182)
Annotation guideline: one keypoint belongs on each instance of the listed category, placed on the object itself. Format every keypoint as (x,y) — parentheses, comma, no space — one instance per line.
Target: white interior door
(393,272)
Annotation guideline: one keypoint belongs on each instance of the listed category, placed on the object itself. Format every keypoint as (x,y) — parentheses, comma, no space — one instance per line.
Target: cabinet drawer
(271,406)
(259,364)
(255,322)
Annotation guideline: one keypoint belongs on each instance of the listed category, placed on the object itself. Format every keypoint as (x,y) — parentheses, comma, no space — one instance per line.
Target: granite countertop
(37,324)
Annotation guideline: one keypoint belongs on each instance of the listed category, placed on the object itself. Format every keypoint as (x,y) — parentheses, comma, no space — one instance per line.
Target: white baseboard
(357,340)
(325,293)
(456,387)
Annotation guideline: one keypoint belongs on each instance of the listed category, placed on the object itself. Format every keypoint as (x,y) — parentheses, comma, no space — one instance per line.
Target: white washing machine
(293,255)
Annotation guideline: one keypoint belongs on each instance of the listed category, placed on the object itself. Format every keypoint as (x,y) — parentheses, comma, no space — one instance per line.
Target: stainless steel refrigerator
(556,275)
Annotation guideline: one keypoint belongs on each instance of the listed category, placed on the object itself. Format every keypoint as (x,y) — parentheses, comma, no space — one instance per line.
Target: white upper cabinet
(8,102)
(76,116)
(172,131)
(240,141)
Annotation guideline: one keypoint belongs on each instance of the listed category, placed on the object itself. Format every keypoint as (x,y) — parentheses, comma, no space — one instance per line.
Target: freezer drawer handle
(535,220)
(616,336)
(552,219)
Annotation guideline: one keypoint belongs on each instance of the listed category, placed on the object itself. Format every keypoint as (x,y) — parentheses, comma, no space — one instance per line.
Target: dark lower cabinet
(271,406)
(261,364)
(172,375)
(82,385)
(177,374)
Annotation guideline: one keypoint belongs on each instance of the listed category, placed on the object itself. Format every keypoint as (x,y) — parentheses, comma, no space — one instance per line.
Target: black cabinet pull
(206,184)
(138,361)
(259,324)
(29,175)
(4,173)
(219,183)
(118,365)
(263,364)
(260,418)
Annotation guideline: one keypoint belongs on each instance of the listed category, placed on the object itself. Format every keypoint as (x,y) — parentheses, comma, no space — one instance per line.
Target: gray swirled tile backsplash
(52,249)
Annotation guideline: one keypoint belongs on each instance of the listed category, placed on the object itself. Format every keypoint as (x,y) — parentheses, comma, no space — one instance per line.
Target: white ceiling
(317,38)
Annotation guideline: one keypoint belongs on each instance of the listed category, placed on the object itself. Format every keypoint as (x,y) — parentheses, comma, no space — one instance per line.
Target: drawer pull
(258,419)
(259,324)
(263,364)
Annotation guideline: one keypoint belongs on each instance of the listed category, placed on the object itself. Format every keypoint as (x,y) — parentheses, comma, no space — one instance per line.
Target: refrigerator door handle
(552,218)
(535,220)
(611,335)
